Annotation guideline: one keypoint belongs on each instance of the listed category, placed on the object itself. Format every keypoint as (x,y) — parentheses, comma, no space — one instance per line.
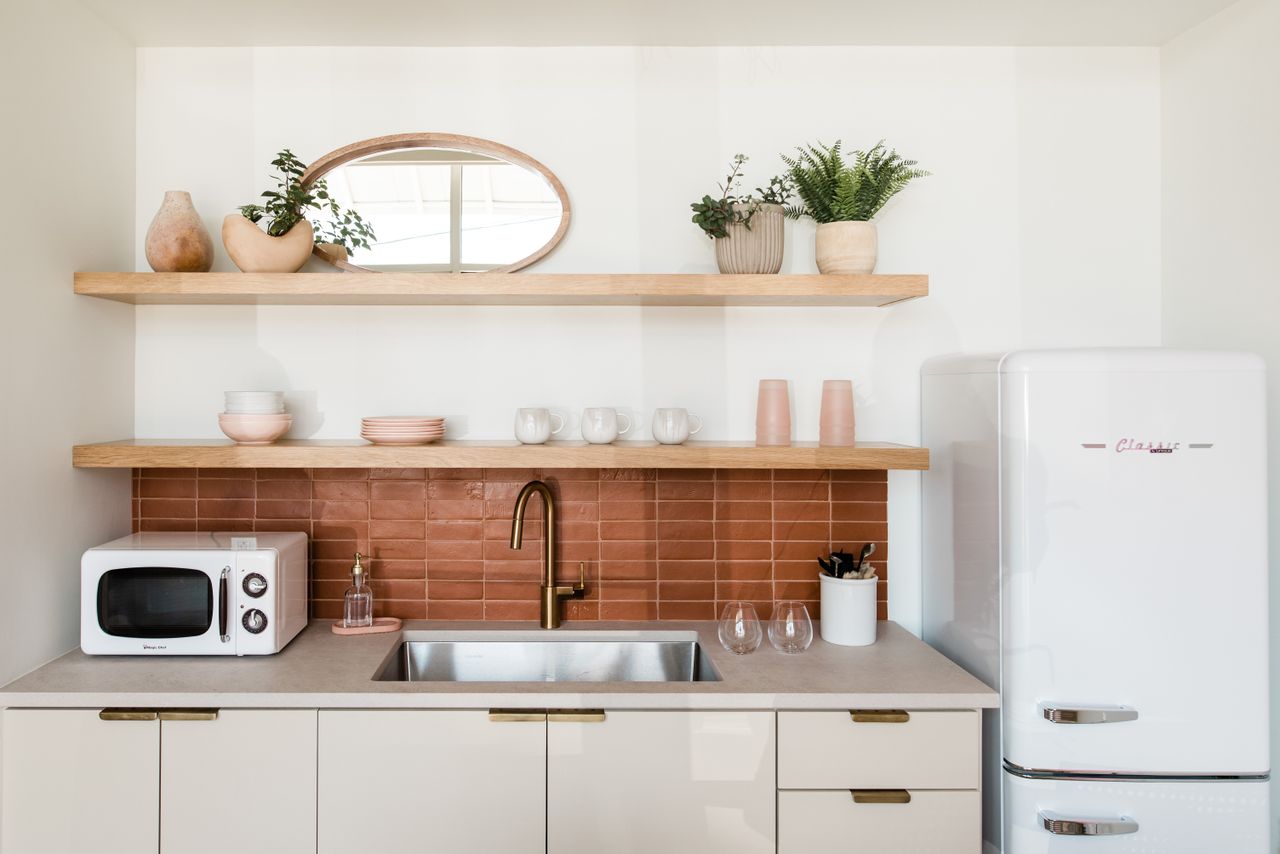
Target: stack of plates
(402,429)
(254,402)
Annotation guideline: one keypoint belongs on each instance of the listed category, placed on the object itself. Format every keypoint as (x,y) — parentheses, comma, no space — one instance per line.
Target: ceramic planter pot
(846,247)
(255,251)
(757,249)
(177,241)
(334,253)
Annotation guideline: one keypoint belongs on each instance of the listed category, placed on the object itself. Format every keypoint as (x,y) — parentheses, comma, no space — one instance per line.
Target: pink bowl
(254,429)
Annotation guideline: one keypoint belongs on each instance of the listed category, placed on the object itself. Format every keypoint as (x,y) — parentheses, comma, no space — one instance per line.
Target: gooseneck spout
(551,594)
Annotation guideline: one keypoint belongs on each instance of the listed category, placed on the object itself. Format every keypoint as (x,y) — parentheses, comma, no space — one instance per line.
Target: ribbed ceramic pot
(255,251)
(846,247)
(757,249)
(177,241)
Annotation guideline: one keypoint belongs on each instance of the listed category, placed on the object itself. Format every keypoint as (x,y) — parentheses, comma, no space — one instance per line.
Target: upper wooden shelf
(602,289)
(195,453)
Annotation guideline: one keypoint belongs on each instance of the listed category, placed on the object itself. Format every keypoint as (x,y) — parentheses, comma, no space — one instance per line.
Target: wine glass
(740,630)
(790,630)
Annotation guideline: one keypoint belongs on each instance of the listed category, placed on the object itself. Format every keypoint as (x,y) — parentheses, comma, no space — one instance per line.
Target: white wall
(1221,185)
(67,361)
(1044,203)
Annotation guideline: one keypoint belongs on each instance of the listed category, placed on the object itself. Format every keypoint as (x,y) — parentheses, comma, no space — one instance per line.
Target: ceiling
(181,23)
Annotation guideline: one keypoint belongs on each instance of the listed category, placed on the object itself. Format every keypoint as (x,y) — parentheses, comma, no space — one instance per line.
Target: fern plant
(291,202)
(833,190)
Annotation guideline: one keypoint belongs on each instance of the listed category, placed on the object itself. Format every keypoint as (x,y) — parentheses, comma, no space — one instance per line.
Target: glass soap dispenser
(357,604)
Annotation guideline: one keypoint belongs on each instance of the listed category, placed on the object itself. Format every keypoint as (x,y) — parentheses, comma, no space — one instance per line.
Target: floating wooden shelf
(167,453)
(603,289)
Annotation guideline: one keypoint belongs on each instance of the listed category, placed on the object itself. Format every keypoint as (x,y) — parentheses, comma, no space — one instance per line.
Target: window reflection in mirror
(439,210)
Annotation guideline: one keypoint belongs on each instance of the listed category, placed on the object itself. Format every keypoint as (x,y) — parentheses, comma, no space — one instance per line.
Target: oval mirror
(441,203)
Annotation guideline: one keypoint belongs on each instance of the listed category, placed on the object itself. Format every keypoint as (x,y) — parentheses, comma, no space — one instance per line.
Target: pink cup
(835,423)
(773,413)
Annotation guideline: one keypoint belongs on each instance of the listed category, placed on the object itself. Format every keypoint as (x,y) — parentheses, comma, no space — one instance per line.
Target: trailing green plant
(291,202)
(833,190)
(714,216)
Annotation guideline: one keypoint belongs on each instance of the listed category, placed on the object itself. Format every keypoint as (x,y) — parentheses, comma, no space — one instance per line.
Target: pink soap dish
(380,625)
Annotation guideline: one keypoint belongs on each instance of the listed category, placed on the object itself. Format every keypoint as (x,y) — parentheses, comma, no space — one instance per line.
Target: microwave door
(164,609)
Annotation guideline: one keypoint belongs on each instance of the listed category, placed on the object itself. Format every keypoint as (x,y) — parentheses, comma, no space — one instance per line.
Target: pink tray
(380,625)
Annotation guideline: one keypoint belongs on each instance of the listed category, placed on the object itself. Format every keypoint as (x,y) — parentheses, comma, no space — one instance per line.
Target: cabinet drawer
(948,822)
(929,750)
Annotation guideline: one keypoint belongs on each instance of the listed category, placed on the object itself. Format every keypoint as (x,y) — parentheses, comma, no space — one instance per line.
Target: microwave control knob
(254,621)
(255,585)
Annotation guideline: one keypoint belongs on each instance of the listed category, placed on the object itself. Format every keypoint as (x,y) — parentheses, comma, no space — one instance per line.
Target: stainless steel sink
(519,657)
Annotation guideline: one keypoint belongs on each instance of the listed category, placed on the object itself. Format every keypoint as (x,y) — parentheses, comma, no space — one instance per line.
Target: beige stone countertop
(322,670)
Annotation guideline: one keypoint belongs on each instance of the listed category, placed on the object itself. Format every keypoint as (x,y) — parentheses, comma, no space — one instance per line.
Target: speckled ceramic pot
(255,251)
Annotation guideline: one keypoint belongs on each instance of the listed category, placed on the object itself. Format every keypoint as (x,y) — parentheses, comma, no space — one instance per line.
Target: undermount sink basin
(519,657)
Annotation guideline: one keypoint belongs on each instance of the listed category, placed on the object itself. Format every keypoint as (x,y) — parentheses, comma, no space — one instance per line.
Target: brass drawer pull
(582,716)
(879,716)
(127,715)
(517,715)
(189,715)
(880,796)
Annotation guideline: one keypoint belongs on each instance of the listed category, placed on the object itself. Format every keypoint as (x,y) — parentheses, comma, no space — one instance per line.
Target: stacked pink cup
(835,424)
(773,413)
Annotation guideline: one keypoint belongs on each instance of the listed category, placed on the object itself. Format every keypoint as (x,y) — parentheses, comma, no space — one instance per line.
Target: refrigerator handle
(1093,715)
(1065,826)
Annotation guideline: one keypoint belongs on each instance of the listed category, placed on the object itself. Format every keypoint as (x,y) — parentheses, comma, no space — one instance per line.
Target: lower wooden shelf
(206,453)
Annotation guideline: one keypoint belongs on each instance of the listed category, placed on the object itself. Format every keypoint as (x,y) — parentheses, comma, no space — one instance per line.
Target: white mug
(600,424)
(533,425)
(671,426)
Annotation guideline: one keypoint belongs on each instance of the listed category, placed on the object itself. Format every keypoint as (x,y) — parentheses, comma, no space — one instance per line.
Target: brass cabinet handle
(517,715)
(880,796)
(581,716)
(127,715)
(879,716)
(189,715)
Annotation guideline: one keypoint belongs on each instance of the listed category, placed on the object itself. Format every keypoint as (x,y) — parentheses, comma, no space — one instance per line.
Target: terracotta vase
(757,249)
(846,247)
(177,241)
(255,251)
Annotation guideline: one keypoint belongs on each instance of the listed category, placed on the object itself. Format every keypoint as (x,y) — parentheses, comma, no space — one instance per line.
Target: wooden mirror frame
(456,142)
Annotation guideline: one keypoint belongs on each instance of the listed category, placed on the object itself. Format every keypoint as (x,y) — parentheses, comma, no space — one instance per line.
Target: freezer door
(1134,571)
(1135,817)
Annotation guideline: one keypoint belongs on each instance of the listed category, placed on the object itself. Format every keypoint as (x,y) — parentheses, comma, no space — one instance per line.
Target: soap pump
(357,604)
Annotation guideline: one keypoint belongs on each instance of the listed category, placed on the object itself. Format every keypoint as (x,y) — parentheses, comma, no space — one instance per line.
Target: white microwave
(193,594)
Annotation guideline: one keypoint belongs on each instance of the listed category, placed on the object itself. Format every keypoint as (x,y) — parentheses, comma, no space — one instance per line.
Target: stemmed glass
(740,630)
(790,630)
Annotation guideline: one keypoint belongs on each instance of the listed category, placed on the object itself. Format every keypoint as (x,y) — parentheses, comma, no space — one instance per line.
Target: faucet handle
(581,585)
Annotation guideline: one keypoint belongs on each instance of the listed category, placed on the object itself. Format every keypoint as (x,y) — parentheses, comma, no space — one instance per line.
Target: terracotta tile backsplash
(660,544)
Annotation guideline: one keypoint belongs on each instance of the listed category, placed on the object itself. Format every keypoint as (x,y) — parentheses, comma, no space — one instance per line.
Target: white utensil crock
(848,610)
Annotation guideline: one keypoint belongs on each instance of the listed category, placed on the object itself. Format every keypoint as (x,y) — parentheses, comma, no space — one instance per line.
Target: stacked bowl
(401,429)
(254,417)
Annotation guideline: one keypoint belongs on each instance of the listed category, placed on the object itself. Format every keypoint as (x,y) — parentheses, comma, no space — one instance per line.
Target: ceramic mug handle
(556,416)
(694,430)
(624,423)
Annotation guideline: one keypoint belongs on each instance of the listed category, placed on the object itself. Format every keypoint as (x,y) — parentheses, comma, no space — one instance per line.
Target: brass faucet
(551,594)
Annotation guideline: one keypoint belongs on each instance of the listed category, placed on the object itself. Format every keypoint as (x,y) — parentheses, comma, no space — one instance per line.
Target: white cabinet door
(73,782)
(409,782)
(245,781)
(670,782)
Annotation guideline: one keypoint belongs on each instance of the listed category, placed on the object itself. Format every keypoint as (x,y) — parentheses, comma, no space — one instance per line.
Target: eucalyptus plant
(291,202)
(715,215)
(833,190)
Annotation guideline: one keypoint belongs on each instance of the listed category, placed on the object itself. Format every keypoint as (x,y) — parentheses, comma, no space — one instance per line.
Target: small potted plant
(843,197)
(290,236)
(748,230)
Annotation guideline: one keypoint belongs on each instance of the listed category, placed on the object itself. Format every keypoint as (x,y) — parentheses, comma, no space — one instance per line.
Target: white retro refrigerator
(1095,534)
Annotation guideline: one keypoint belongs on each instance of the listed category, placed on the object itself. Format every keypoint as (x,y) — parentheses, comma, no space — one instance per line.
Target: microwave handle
(224,606)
